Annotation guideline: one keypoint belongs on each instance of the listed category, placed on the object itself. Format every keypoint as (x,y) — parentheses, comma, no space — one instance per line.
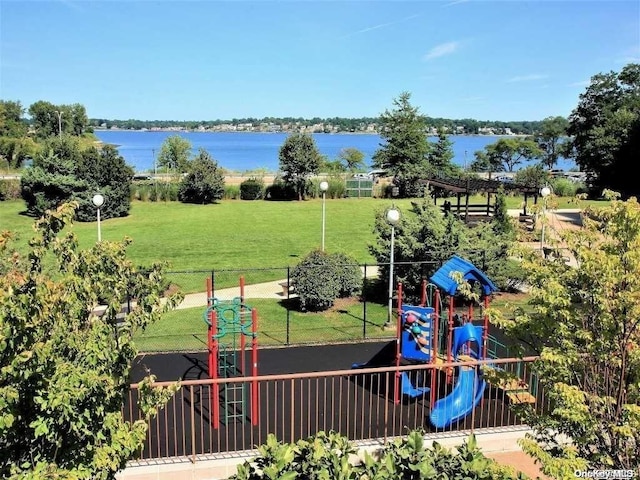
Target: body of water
(243,151)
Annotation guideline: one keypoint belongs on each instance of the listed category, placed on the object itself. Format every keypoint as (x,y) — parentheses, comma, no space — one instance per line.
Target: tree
(205,181)
(174,154)
(63,172)
(11,122)
(426,235)
(584,322)
(551,140)
(505,154)
(64,369)
(44,118)
(605,130)
(352,158)
(299,158)
(441,156)
(405,148)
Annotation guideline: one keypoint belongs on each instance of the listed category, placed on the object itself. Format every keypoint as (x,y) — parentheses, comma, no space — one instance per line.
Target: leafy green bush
(563,187)
(280,190)
(252,189)
(204,183)
(326,456)
(9,189)
(320,278)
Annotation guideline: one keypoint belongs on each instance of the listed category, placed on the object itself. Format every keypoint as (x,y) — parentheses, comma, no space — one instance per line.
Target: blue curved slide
(468,390)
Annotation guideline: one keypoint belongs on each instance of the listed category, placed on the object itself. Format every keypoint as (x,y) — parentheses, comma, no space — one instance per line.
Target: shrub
(204,183)
(327,456)
(320,278)
(563,187)
(9,189)
(231,192)
(252,189)
(280,190)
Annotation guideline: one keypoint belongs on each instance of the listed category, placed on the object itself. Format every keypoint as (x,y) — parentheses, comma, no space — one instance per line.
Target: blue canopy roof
(442,278)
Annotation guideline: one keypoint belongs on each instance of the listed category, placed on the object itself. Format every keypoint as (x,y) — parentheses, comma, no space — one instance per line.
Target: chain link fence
(280,319)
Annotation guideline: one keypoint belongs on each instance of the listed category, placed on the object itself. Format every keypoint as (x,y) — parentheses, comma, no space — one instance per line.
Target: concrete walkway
(273,289)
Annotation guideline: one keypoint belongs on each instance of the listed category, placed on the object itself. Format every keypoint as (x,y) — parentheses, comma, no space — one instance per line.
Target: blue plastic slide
(468,390)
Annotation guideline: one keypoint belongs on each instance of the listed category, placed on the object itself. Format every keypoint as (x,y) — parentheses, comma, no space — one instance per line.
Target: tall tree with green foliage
(204,183)
(49,120)
(505,154)
(64,369)
(11,119)
(352,158)
(552,140)
(605,130)
(64,171)
(424,234)
(299,158)
(404,153)
(441,156)
(584,321)
(174,154)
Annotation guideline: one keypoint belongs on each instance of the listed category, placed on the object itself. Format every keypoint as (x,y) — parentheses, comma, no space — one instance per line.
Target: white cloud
(441,50)
(527,78)
(455,2)
(381,25)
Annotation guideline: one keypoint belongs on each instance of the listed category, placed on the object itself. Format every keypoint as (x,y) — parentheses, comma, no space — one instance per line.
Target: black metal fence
(280,319)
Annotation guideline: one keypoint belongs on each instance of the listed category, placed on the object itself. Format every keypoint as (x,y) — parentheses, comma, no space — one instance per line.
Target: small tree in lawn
(584,321)
(64,370)
(174,154)
(205,181)
(299,158)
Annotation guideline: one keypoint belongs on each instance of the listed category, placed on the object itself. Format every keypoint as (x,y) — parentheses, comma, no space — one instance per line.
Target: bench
(286,288)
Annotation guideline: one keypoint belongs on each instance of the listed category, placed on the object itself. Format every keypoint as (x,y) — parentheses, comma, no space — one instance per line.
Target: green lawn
(186,329)
(233,234)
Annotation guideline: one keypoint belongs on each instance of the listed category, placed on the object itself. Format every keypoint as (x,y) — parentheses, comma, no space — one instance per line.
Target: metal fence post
(364,304)
(288,303)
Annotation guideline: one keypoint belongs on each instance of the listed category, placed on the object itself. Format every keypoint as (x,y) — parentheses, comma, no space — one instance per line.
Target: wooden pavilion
(465,187)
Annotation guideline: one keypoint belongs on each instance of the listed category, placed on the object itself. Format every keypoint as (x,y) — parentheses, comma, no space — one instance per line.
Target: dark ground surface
(358,406)
(271,361)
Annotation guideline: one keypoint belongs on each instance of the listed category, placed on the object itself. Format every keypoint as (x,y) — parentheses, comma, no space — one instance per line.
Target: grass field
(186,329)
(241,235)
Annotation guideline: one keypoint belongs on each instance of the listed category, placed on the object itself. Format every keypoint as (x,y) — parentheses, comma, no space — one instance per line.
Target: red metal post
(450,338)
(255,411)
(434,354)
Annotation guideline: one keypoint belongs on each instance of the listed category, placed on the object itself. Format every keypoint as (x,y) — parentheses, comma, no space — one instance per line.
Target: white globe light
(324,186)
(98,200)
(393,216)
(545,192)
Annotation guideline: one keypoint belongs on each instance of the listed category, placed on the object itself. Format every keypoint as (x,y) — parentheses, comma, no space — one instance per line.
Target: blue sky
(204,60)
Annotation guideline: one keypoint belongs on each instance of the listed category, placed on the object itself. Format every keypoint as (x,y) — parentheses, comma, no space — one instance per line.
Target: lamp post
(324,186)
(545,192)
(393,217)
(98,201)
(59,113)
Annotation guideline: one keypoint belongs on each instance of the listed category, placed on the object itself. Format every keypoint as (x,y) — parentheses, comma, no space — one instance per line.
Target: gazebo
(464,187)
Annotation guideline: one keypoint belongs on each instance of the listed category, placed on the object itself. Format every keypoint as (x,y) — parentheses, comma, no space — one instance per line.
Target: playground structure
(229,323)
(427,335)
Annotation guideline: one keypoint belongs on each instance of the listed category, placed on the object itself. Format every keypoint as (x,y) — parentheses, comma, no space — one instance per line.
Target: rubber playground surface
(355,405)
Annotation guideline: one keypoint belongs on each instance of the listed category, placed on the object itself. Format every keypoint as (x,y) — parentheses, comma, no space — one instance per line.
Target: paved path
(271,289)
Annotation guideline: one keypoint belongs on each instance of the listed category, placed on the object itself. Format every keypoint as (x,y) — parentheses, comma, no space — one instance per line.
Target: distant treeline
(335,124)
